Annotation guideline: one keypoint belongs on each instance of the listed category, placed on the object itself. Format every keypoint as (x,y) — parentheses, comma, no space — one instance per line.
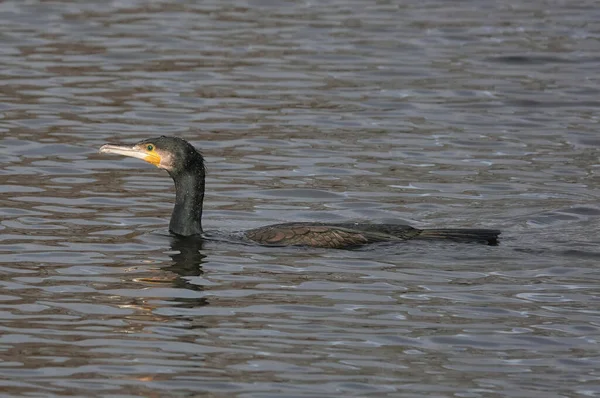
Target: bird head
(173,154)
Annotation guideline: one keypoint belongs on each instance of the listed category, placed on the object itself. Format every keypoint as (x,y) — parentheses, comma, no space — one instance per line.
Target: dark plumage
(186,166)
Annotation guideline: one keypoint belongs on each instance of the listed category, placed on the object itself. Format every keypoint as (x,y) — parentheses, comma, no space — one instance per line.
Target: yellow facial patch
(153,158)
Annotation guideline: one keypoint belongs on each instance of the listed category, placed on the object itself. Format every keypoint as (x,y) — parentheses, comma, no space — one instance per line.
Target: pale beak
(131,151)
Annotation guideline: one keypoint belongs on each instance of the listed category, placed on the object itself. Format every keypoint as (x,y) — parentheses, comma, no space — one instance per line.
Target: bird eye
(150,147)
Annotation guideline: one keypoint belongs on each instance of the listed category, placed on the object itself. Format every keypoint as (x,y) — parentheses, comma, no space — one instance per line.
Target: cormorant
(186,166)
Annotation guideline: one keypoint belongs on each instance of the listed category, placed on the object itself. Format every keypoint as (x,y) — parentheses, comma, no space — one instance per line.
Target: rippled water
(436,113)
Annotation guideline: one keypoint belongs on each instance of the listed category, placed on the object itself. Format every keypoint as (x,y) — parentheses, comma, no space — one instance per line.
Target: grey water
(434,113)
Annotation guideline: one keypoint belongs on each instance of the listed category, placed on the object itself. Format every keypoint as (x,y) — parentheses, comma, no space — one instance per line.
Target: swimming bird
(185,165)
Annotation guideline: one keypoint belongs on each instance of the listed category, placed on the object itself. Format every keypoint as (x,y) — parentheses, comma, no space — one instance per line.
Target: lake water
(435,113)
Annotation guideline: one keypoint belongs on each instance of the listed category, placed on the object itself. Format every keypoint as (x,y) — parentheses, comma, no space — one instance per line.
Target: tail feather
(487,236)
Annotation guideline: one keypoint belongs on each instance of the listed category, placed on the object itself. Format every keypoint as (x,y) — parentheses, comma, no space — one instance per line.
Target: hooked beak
(133,152)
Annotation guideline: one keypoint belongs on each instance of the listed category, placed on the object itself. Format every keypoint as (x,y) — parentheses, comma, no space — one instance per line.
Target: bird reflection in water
(187,257)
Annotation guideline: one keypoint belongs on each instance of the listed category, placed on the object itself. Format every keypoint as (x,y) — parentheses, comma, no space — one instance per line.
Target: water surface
(466,114)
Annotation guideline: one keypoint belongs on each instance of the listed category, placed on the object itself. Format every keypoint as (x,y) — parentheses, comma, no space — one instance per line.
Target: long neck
(186,219)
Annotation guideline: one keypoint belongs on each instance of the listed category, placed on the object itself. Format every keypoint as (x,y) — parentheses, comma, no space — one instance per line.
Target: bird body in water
(186,166)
